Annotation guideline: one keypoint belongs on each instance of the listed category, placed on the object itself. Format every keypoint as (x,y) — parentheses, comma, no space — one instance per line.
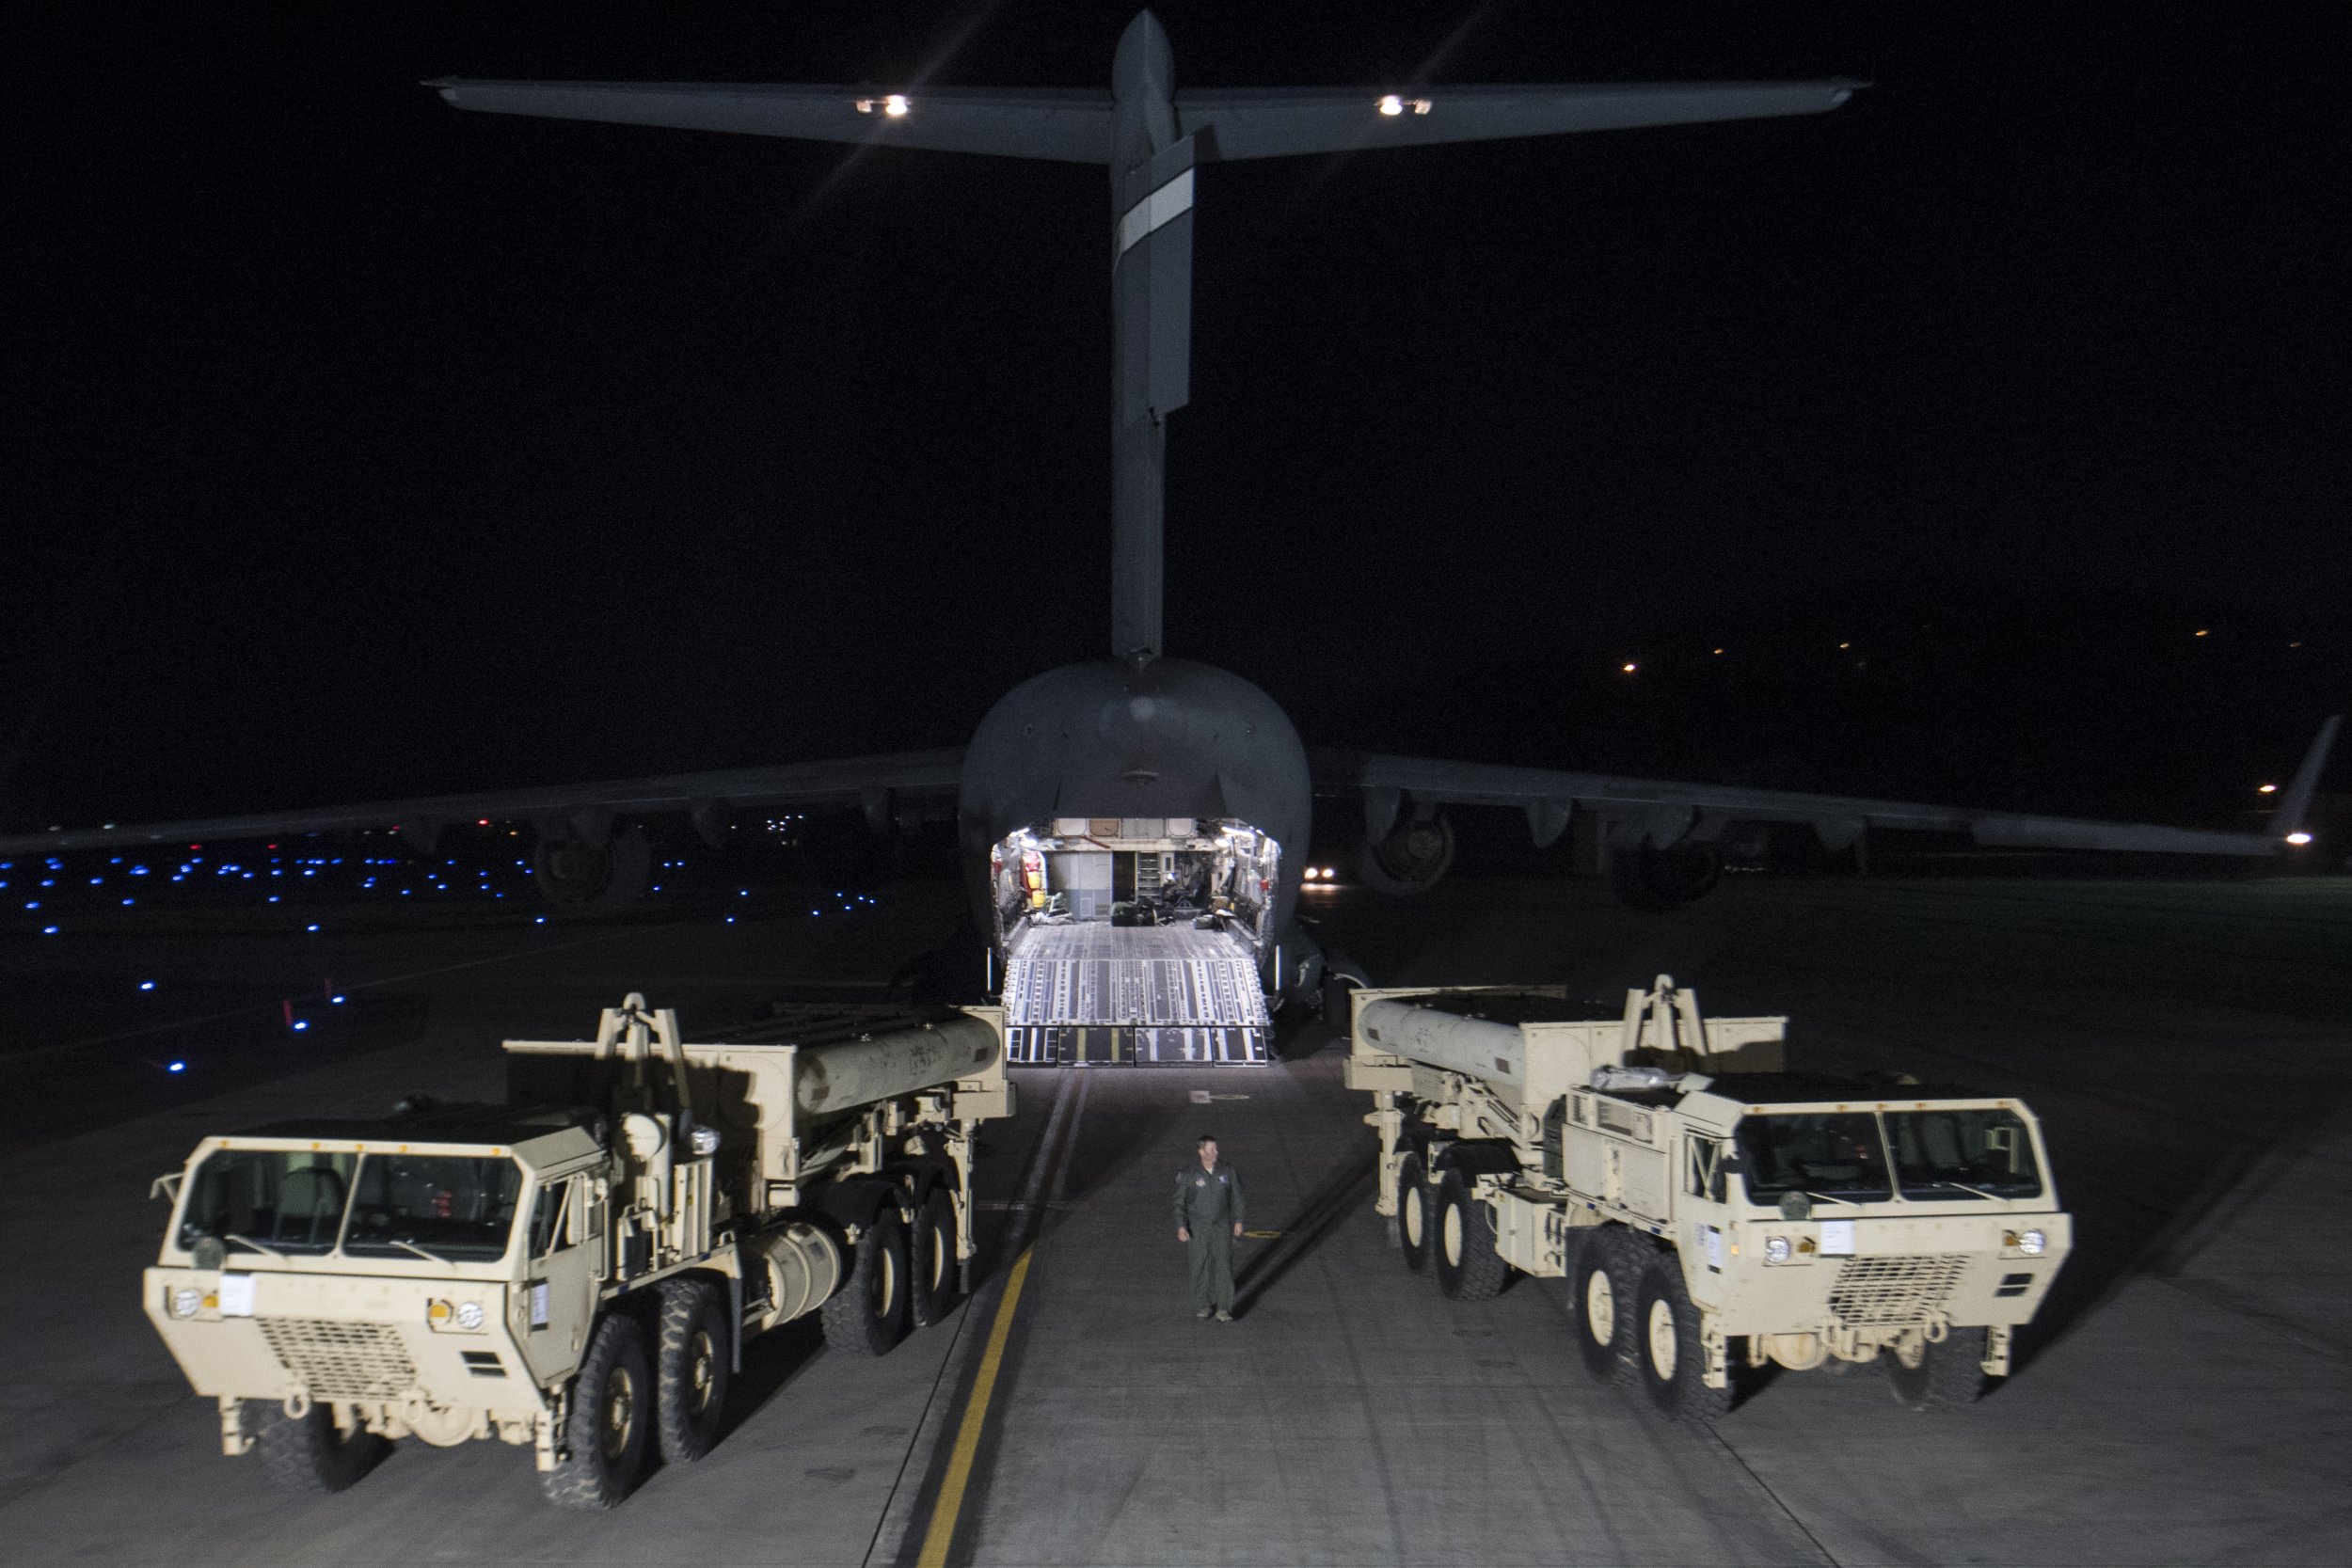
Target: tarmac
(2182,1399)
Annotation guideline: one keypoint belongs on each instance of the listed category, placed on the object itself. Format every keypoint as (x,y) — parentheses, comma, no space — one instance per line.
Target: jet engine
(589,876)
(1412,858)
(1649,878)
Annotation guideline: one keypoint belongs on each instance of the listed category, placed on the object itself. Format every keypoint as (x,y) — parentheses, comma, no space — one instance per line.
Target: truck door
(556,1302)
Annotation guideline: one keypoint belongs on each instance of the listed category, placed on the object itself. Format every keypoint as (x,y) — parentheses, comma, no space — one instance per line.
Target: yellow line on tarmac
(949,1506)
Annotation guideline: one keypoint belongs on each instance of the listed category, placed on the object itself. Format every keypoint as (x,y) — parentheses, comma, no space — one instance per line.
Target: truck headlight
(2032,1242)
(185,1299)
(469,1315)
(1775,1249)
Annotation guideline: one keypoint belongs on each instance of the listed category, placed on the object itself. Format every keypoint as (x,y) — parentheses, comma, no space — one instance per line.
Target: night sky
(360,447)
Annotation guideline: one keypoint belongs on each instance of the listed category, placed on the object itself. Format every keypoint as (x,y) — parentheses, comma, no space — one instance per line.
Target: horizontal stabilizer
(1017,123)
(1075,125)
(1285,122)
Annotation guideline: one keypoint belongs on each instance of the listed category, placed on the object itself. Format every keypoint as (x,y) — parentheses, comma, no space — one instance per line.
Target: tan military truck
(1703,1219)
(576,1270)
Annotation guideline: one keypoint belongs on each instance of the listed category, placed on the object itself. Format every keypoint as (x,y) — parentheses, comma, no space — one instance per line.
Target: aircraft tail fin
(2293,805)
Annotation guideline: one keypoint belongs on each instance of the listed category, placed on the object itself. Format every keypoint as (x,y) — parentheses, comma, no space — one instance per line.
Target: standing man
(1208,1222)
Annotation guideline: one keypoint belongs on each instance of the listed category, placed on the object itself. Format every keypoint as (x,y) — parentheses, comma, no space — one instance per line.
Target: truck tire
(309,1455)
(1669,1358)
(1945,1376)
(1469,1267)
(1604,1287)
(604,1431)
(933,1257)
(869,1313)
(1413,1227)
(690,1370)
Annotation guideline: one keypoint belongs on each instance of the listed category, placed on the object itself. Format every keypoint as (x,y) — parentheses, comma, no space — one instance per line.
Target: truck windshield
(1831,1154)
(457,1208)
(1941,1156)
(268,1199)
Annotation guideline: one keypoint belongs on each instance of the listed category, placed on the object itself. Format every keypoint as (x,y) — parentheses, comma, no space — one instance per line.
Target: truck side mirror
(165,1187)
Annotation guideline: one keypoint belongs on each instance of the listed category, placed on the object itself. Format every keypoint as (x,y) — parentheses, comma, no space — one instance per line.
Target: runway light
(2267,789)
(2292,838)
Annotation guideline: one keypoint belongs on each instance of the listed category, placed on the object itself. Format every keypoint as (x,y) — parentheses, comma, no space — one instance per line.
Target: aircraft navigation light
(2292,838)
(2267,789)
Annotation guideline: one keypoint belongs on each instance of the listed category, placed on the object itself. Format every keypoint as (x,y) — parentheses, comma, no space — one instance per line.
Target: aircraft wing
(1664,812)
(560,811)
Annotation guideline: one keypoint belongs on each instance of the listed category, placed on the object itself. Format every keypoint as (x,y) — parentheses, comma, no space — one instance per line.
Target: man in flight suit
(1208,1221)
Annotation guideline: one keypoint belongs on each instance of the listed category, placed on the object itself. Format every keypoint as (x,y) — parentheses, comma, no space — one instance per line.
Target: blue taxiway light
(730,920)
(310,928)
(147,985)
(539,920)
(337,1000)
(175,1067)
(301,1023)
(34,904)
(49,930)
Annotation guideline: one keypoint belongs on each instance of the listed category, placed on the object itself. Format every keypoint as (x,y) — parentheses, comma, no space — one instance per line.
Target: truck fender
(854,1204)
(1476,1157)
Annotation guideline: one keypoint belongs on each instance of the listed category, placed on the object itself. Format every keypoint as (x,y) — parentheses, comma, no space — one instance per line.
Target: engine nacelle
(589,876)
(1413,858)
(1649,878)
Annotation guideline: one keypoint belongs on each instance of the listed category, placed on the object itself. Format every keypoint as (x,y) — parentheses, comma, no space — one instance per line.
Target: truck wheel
(1601,1300)
(1413,1229)
(869,1313)
(604,1431)
(1941,1376)
(689,1372)
(934,1259)
(1667,1352)
(1469,1267)
(309,1455)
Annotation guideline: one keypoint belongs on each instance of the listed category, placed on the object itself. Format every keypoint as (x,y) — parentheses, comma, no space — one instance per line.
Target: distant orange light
(2201,632)
(1629,669)
(2267,789)
(1845,644)
(1719,652)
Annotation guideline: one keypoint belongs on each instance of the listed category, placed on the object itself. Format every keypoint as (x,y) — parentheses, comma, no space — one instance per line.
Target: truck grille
(1877,1291)
(342,1361)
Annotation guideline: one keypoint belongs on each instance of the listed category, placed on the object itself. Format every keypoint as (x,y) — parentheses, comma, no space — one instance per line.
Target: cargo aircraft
(1133,828)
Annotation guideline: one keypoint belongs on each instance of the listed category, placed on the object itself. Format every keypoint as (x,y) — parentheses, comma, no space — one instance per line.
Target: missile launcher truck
(577,1271)
(1707,1207)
